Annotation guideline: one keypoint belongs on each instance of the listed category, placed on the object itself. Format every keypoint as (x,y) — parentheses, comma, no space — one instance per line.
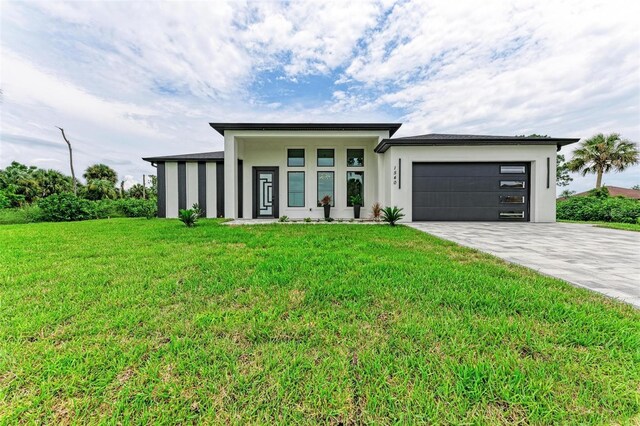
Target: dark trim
(333,199)
(276,190)
(182,185)
(390,127)
(220,190)
(385,144)
(548,171)
(200,156)
(202,187)
(304,199)
(240,189)
(162,191)
(399,173)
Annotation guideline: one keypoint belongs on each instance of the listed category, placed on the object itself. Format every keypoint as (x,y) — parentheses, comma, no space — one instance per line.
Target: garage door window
(512,169)
(512,184)
(511,215)
(512,199)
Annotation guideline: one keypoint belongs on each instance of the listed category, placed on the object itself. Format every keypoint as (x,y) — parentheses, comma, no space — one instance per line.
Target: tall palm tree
(601,154)
(101,172)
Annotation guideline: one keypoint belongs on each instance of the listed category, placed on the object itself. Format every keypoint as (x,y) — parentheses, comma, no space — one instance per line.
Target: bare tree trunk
(73,174)
(144,187)
(599,179)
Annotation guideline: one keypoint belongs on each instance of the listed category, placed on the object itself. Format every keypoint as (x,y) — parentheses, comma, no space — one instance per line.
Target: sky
(133,79)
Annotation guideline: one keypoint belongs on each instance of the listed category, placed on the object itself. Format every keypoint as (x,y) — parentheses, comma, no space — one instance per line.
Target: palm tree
(100,172)
(602,153)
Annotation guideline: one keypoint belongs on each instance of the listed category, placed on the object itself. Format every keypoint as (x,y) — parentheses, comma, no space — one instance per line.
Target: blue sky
(128,80)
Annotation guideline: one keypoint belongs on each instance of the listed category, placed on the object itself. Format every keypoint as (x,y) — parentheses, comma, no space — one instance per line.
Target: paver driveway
(600,259)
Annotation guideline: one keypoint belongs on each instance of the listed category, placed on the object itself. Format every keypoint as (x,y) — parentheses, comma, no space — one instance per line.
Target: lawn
(613,225)
(146,321)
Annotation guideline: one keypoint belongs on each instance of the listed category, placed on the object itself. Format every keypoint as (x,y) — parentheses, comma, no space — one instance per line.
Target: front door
(265,192)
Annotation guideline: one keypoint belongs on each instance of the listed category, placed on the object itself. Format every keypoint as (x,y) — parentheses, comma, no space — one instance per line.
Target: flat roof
(199,156)
(390,127)
(453,139)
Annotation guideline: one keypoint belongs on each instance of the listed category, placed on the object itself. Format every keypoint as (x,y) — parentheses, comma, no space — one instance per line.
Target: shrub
(189,217)
(391,215)
(26,214)
(608,209)
(65,207)
(136,207)
(283,219)
(307,219)
(376,211)
(356,200)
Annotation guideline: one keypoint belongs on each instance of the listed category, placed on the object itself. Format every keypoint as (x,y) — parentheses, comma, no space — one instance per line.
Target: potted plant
(325,202)
(356,200)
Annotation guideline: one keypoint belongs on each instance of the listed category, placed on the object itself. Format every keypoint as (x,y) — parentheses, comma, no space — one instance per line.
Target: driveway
(600,259)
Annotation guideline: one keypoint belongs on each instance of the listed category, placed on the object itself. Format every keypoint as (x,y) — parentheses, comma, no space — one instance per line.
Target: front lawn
(613,225)
(147,321)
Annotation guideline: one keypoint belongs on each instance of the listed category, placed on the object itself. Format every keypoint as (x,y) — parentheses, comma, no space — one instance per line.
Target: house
(614,191)
(268,170)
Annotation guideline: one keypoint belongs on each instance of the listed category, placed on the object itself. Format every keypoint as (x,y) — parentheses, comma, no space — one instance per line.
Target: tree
(53,182)
(562,171)
(636,187)
(101,172)
(567,193)
(601,154)
(136,191)
(73,173)
(100,189)
(152,190)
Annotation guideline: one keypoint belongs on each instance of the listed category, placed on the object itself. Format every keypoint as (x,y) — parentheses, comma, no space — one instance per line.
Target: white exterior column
(230,176)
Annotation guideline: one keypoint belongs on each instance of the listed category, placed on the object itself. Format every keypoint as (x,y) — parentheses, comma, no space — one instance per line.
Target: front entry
(265,192)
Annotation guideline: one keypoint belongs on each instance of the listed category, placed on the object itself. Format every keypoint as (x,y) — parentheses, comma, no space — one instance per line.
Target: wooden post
(144,187)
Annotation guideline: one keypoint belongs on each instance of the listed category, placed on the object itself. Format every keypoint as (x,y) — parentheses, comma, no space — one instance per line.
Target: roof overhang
(215,156)
(388,127)
(385,144)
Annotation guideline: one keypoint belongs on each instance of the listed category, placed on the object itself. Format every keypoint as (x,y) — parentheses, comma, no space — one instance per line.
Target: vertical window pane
(325,158)
(355,157)
(296,189)
(355,186)
(295,157)
(325,187)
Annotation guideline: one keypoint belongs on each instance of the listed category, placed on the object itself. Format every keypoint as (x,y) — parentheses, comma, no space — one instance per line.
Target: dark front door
(265,192)
(471,191)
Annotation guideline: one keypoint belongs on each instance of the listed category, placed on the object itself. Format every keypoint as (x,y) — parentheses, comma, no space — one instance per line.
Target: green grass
(613,225)
(146,321)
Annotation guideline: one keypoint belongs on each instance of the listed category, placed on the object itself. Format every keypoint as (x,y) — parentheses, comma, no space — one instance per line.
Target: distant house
(616,191)
(272,169)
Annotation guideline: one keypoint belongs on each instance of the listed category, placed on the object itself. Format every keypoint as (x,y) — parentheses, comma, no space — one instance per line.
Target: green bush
(5,202)
(135,207)
(597,208)
(392,214)
(26,214)
(66,207)
(189,217)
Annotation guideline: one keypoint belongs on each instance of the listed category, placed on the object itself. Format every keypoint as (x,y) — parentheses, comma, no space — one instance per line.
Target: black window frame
(333,190)
(349,204)
(289,157)
(348,157)
(289,188)
(333,157)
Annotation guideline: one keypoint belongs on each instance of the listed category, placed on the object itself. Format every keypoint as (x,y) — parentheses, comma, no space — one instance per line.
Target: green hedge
(68,207)
(608,209)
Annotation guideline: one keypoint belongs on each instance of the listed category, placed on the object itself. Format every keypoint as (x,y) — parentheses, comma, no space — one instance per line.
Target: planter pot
(327,211)
(356,211)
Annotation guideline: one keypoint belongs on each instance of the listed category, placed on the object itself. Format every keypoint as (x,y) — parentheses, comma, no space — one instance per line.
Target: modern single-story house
(268,170)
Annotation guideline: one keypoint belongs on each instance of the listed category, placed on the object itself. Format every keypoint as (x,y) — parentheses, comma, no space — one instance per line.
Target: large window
(326,158)
(295,188)
(355,157)
(355,186)
(295,157)
(326,187)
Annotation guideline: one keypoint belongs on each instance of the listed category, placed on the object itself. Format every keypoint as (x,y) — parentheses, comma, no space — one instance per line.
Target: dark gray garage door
(471,191)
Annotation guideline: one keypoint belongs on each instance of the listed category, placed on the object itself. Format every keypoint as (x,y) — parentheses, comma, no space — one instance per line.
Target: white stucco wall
(171,183)
(211,190)
(271,151)
(542,199)
(192,183)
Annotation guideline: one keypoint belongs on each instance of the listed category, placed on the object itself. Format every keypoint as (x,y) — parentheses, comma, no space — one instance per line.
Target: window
(325,158)
(355,157)
(511,215)
(512,199)
(512,169)
(355,186)
(512,184)
(325,187)
(295,157)
(295,185)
